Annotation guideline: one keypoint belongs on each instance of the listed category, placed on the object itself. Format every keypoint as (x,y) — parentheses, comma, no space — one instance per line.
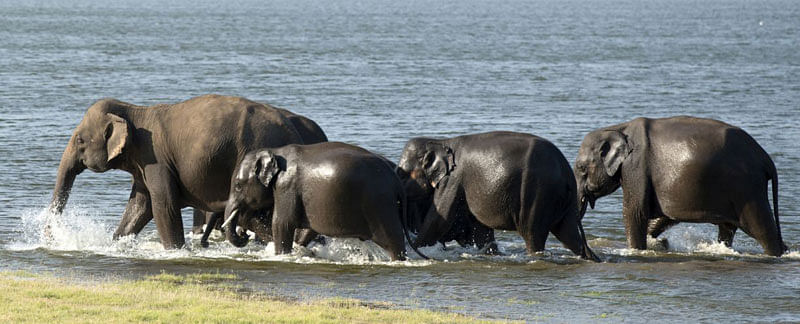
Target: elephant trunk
(584,198)
(68,169)
(582,211)
(231,221)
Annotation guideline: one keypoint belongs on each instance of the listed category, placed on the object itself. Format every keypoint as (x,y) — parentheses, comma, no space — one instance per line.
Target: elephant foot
(659,243)
(320,240)
(491,249)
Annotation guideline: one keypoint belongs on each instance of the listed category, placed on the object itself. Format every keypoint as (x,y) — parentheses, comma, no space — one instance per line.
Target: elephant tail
(404,220)
(587,252)
(774,176)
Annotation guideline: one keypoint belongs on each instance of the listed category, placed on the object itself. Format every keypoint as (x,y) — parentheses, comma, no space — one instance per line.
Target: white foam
(79,229)
(794,255)
(69,232)
(691,239)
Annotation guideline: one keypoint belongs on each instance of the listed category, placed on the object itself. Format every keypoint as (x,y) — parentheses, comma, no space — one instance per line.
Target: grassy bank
(179,299)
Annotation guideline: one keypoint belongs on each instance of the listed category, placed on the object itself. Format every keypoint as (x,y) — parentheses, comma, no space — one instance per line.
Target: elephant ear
(116,136)
(613,151)
(266,168)
(438,161)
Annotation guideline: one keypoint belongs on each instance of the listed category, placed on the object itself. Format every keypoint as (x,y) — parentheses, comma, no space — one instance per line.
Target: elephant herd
(247,166)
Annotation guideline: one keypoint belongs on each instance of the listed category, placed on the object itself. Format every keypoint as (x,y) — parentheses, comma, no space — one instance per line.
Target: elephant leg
(392,241)
(304,236)
(166,208)
(138,212)
(199,218)
(440,216)
(483,237)
(537,214)
(568,231)
(658,226)
(285,217)
(726,233)
(757,221)
(212,223)
(635,214)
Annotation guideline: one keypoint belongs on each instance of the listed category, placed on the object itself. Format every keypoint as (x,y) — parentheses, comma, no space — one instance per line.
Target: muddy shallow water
(377,73)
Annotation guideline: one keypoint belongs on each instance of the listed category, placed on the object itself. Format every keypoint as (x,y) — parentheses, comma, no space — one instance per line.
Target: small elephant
(502,180)
(682,169)
(310,133)
(179,155)
(465,230)
(333,188)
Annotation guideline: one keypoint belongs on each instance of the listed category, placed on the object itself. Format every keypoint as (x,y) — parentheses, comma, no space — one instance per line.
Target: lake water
(376,73)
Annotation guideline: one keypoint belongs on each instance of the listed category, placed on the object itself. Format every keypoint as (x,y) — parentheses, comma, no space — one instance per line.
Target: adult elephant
(178,154)
(502,180)
(333,188)
(310,133)
(682,169)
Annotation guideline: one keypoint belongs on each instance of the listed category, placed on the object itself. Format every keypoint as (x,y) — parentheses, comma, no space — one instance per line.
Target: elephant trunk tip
(233,236)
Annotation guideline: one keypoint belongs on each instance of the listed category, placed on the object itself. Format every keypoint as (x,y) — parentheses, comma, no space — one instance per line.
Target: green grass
(169,298)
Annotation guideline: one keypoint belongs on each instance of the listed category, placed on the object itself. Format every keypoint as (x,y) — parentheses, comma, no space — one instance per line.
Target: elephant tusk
(227,221)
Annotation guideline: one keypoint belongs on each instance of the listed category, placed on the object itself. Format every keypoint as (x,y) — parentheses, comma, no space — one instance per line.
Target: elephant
(682,169)
(465,231)
(501,180)
(333,188)
(179,155)
(310,133)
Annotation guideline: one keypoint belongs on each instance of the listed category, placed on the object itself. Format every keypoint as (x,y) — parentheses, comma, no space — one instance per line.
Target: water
(377,73)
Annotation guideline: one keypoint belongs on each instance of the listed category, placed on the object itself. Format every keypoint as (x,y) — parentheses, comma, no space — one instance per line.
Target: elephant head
(252,189)
(97,143)
(598,165)
(424,166)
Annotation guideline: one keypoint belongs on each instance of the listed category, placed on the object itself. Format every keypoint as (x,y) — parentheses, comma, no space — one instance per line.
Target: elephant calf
(335,189)
(495,180)
(682,169)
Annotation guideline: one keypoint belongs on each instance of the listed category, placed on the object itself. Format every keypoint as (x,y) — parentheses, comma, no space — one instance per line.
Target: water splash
(78,229)
(701,239)
(74,230)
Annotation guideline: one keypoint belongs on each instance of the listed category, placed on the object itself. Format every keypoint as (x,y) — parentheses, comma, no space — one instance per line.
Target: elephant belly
(346,218)
(695,207)
(495,206)
(495,211)
(702,194)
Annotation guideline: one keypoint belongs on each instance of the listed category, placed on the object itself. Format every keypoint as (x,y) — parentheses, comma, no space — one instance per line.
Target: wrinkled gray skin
(501,180)
(179,155)
(682,169)
(332,188)
(310,133)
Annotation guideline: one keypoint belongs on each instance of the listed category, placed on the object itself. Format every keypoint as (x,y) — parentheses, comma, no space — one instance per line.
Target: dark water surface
(377,73)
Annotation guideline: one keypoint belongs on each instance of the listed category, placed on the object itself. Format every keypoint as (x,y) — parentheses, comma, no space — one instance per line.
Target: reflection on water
(375,74)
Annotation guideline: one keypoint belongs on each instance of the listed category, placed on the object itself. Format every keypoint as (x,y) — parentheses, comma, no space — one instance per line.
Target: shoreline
(200,297)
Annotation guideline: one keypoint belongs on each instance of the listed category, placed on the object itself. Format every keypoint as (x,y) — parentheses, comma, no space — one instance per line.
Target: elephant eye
(237,187)
(79,140)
